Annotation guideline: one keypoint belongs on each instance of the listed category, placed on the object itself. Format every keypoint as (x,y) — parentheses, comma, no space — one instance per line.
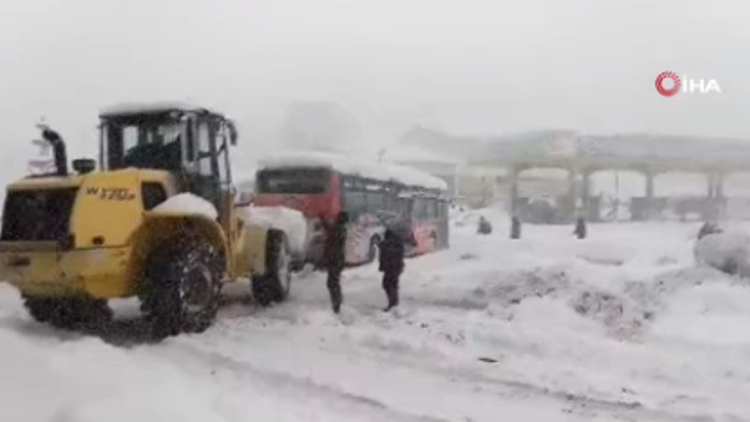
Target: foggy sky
(469,66)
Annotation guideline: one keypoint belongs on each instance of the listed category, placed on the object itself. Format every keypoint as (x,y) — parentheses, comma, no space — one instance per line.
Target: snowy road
(617,327)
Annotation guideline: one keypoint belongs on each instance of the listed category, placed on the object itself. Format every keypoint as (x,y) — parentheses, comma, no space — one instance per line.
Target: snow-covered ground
(621,326)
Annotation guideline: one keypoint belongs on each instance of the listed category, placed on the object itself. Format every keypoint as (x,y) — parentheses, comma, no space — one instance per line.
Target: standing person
(580,230)
(334,252)
(391,264)
(484,226)
(515,228)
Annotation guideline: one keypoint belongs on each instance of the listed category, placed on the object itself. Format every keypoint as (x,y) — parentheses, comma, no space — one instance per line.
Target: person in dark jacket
(515,228)
(485,227)
(334,252)
(580,230)
(392,250)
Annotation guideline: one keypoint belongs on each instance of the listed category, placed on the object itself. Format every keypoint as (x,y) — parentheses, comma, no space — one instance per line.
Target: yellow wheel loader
(138,226)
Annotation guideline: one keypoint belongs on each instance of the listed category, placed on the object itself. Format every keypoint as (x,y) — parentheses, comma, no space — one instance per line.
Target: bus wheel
(373,250)
(433,241)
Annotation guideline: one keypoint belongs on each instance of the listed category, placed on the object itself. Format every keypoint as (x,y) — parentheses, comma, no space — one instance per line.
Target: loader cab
(190,142)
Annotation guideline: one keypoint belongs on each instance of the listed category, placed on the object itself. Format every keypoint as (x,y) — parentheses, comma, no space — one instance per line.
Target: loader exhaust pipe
(58,147)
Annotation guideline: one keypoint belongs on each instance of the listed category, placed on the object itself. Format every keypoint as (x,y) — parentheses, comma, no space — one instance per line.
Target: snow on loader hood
(187,203)
(290,221)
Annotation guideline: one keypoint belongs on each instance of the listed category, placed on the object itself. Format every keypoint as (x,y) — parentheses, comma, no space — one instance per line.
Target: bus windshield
(293,181)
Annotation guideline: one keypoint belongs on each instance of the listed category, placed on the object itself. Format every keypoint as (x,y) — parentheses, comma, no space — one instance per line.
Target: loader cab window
(209,148)
(208,164)
(192,144)
(143,141)
(222,157)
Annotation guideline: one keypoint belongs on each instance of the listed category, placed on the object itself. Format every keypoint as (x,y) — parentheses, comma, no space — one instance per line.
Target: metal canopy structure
(583,154)
(586,152)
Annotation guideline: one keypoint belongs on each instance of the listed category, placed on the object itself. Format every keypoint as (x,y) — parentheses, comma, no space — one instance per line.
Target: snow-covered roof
(150,107)
(349,165)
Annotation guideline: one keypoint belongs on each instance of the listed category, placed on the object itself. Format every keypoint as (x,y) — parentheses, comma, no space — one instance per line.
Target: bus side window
(419,208)
(375,201)
(390,202)
(405,208)
(354,204)
(434,208)
(442,209)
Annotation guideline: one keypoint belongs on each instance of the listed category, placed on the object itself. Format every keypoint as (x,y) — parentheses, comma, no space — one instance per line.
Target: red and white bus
(322,184)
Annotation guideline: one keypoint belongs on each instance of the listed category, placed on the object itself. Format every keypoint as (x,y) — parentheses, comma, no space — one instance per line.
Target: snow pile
(349,165)
(619,283)
(714,313)
(530,318)
(614,253)
(620,312)
(290,221)
(527,329)
(728,250)
(187,203)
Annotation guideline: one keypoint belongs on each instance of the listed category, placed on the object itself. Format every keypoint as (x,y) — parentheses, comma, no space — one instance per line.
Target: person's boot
(390,301)
(336,304)
(392,298)
(336,300)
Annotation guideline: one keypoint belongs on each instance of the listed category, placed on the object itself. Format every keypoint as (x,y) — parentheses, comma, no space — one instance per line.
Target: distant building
(437,153)
(421,159)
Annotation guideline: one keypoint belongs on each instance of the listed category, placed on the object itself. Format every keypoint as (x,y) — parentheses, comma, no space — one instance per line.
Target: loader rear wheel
(69,313)
(184,287)
(274,285)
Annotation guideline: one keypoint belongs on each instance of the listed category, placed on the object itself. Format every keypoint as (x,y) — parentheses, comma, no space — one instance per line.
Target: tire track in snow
(470,373)
(509,393)
(475,372)
(300,385)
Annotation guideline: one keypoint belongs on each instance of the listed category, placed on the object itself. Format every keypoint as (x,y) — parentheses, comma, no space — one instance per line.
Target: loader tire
(69,313)
(184,287)
(274,285)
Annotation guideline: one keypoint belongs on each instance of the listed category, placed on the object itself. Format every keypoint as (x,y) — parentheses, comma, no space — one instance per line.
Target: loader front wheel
(184,287)
(275,283)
